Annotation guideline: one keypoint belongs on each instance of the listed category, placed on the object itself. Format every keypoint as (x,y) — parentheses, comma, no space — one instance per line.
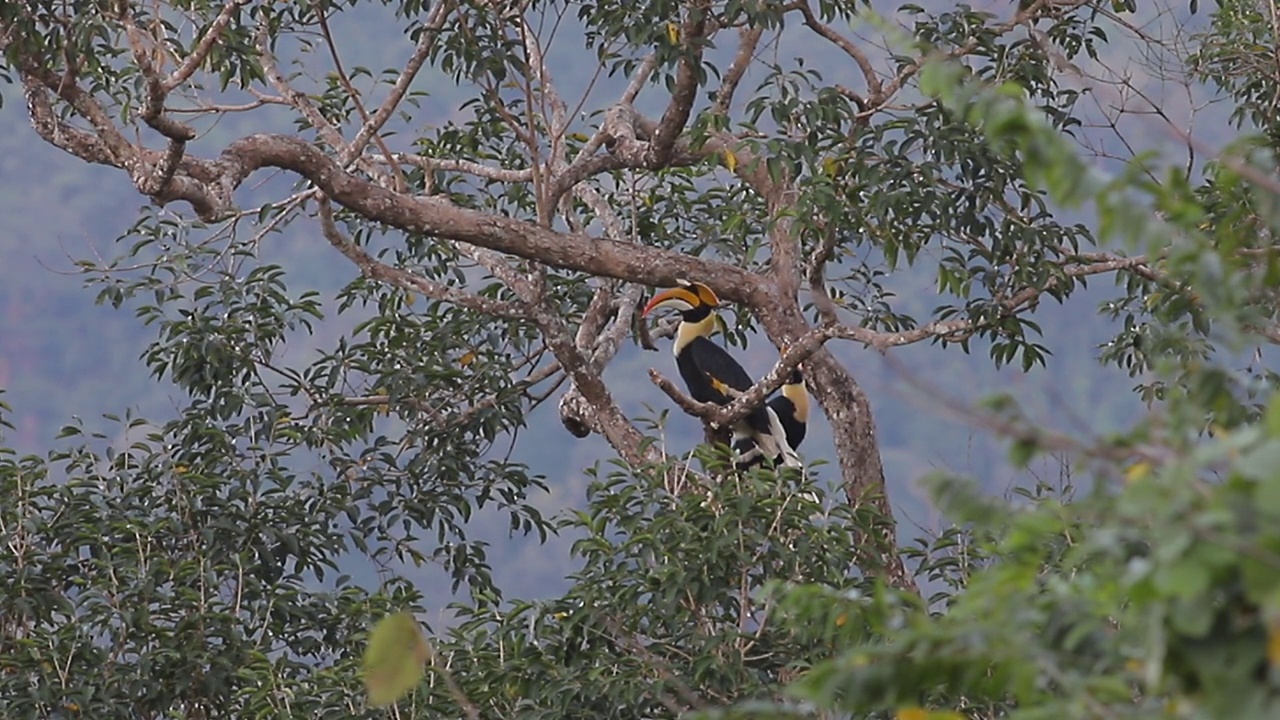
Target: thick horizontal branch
(437,216)
(382,272)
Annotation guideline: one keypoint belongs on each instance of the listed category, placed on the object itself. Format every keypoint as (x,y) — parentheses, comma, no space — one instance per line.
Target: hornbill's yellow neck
(794,391)
(690,329)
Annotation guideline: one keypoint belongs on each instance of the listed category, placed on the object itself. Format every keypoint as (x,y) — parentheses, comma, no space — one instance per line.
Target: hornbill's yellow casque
(792,408)
(709,372)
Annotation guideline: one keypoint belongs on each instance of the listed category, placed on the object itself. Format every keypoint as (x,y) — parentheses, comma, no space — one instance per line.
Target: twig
(428,33)
(469,167)
(201,51)
(349,152)
(874,87)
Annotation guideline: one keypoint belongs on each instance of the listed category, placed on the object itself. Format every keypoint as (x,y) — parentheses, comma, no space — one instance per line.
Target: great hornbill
(792,408)
(711,374)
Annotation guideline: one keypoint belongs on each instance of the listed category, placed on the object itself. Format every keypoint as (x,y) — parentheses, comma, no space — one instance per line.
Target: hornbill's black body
(710,372)
(791,406)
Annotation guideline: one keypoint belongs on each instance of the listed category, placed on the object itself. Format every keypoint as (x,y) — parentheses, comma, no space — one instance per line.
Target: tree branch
(817,277)
(748,39)
(349,152)
(212,196)
(154,180)
(723,416)
(59,133)
(874,86)
(201,51)
(574,174)
(625,132)
(119,151)
(676,116)
(1025,15)
(374,270)
(298,101)
(469,167)
(607,418)
(429,31)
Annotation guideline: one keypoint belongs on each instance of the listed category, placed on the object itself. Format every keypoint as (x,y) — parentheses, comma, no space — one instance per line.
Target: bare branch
(576,172)
(674,118)
(628,135)
(874,86)
(154,180)
(201,51)
(607,418)
(349,153)
(595,317)
(220,109)
(57,132)
(707,411)
(300,102)
(576,413)
(638,80)
(428,33)
(610,339)
(723,416)
(817,277)
(601,136)
(469,167)
(119,151)
(546,87)
(749,38)
(612,223)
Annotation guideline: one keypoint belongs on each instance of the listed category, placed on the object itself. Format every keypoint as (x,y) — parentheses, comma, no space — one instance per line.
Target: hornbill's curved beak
(687,296)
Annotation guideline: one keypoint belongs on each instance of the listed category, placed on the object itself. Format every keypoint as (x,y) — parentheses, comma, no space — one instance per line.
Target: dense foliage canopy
(503,195)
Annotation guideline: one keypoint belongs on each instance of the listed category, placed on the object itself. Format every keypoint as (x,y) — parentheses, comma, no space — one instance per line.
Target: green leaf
(1186,578)
(394,660)
(1262,463)
(1273,416)
(1021,452)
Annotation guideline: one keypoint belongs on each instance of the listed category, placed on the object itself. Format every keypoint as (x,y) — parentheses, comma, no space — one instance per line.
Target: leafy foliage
(230,561)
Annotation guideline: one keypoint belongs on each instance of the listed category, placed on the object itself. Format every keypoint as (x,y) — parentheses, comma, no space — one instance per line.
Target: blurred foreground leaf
(393,662)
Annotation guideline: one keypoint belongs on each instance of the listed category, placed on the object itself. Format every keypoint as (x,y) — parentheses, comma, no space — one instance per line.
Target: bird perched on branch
(712,375)
(791,406)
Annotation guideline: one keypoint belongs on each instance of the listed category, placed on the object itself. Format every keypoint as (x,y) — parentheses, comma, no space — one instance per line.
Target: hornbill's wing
(786,411)
(718,366)
(721,373)
(713,371)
